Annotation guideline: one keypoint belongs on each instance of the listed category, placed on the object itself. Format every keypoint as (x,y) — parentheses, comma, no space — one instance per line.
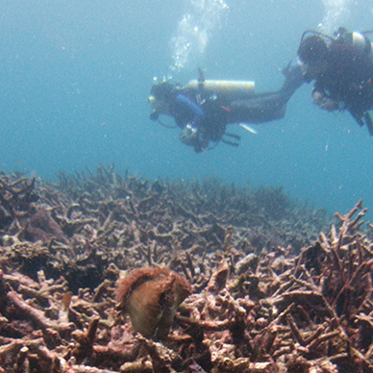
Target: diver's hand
(195,137)
(189,135)
(324,102)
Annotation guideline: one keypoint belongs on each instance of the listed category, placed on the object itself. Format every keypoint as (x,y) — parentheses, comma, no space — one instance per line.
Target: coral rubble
(109,273)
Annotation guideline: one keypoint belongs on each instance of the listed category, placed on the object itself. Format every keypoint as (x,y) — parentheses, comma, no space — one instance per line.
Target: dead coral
(255,304)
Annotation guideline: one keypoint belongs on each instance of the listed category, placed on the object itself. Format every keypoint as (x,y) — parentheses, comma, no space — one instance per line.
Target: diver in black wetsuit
(204,110)
(342,70)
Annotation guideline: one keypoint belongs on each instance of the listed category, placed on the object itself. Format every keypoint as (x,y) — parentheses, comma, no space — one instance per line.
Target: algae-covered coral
(269,291)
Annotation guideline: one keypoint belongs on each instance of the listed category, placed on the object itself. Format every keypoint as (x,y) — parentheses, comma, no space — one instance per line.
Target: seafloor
(102,272)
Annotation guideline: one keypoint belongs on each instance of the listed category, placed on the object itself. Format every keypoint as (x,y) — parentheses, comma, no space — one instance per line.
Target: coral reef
(108,273)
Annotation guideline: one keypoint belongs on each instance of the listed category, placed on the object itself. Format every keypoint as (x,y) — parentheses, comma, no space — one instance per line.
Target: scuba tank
(358,40)
(227,89)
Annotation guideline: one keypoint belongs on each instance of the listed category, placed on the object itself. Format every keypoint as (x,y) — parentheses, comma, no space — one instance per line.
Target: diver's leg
(260,108)
(266,107)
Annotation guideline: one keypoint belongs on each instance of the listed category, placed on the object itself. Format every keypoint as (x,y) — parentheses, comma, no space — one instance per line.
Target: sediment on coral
(274,286)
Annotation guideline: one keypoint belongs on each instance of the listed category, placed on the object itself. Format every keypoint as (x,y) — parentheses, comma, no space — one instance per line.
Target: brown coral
(151,297)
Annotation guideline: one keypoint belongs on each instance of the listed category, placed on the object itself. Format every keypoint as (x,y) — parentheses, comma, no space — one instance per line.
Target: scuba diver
(204,108)
(342,69)
(201,120)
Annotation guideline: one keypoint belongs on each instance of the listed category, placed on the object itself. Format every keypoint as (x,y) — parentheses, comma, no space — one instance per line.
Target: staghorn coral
(258,303)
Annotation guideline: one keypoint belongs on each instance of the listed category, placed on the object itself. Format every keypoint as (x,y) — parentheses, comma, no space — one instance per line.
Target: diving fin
(233,135)
(357,118)
(369,123)
(231,143)
(248,128)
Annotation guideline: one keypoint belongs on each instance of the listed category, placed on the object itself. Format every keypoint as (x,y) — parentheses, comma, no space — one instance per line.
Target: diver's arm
(193,130)
(191,107)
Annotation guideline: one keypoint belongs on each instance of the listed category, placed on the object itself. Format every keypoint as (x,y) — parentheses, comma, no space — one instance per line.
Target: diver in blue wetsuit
(204,108)
(200,121)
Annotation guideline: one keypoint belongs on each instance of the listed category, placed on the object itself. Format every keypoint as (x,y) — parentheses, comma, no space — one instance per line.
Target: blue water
(75,77)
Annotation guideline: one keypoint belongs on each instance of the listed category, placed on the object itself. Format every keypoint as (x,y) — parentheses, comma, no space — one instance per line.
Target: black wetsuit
(267,107)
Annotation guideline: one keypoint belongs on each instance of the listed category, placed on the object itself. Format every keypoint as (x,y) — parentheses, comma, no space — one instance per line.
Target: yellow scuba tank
(229,89)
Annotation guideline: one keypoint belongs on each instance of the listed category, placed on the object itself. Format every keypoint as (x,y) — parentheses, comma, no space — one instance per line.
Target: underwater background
(75,77)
